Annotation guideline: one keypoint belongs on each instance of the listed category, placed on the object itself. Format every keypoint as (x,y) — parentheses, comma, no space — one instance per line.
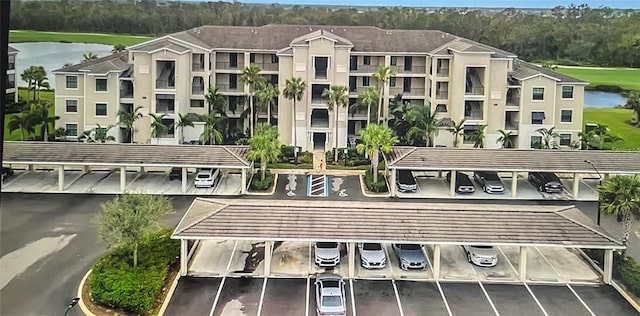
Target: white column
(351,254)
(30,167)
(184,253)
(243,190)
(576,185)
(436,262)
(514,184)
(452,185)
(61,178)
(123,179)
(183,181)
(608,266)
(268,252)
(142,169)
(392,183)
(523,264)
(86,169)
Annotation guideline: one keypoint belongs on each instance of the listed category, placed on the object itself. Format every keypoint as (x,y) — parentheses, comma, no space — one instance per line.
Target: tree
(184,120)
(118,48)
(586,138)
(24,121)
(40,115)
(549,137)
(60,133)
(633,103)
(28,76)
(266,96)
(251,77)
(382,75)
(89,56)
(620,197)
(129,217)
(399,124)
(600,131)
(211,131)
(425,124)
(457,130)
(293,90)
(478,136)
(264,146)
(368,98)
(158,127)
(337,98)
(505,140)
(97,134)
(128,119)
(375,139)
(40,81)
(216,101)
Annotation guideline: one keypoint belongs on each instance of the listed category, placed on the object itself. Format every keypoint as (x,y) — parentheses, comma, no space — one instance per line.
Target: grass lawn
(627,79)
(21,36)
(616,119)
(22,95)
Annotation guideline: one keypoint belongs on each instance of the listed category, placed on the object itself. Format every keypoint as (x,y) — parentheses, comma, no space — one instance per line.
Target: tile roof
(523,70)
(163,43)
(114,62)
(340,221)
(12,50)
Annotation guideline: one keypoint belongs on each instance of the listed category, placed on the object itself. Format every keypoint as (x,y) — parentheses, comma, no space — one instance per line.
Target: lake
(601,99)
(53,56)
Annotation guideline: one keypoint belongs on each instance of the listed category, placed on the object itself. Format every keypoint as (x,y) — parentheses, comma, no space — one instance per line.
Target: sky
(621,4)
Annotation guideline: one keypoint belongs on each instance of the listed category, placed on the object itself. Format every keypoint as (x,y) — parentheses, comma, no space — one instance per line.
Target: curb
(272,192)
(85,310)
(364,191)
(167,298)
(328,172)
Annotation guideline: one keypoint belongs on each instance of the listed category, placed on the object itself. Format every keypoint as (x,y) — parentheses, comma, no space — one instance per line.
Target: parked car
(330,295)
(463,183)
(481,255)
(489,181)
(406,182)
(6,172)
(546,182)
(206,178)
(411,256)
(372,256)
(175,174)
(327,254)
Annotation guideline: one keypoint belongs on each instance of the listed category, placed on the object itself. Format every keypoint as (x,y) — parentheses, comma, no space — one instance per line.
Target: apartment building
(459,78)
(12,88)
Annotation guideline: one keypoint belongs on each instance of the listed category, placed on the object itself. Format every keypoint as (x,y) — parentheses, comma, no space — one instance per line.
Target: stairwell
(319,163)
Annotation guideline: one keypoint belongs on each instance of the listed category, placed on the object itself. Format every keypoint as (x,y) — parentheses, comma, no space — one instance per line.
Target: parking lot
(296,297)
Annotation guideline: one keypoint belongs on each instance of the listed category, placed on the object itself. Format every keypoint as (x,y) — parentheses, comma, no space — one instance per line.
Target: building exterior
(460,78)
(12,88)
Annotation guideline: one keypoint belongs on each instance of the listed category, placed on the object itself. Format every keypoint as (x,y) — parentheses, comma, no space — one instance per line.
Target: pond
(53,56)
(601,99)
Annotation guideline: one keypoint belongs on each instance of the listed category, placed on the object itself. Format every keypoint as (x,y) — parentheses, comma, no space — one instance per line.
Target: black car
(175,174)
(463,182)
(406,182)
(489,181)
(546,182)
(6,172)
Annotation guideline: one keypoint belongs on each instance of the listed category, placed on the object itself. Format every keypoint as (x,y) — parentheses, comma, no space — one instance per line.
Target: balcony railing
(319,100)
(319,123)
(12,66)
(321,74)
(415,92)
(414,70)
(475,91)
(197,89)
(126,93)
(474,116)
(225,87)
(197,67)
(513,102)
(11,84)
(266,66)
(227,65)
(365,69)
(442,94)
(165,84)
(511,126)
(165,108)
(443,72)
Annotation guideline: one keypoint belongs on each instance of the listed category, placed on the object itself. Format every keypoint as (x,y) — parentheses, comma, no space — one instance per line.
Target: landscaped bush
(115,283)
(353,157)
(259,184)
(305,157)
(287,154)
(380,186)
(627,270)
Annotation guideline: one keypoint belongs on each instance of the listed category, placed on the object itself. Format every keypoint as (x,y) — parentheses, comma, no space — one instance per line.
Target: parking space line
(215,300)
(307,297)
(231,258)
(508,261)
(548,262)
(309,265)
(535,299)
(488,298)
(386,253)
(444,299)
(395,289)
(353,297)
(264,287)
(580,299)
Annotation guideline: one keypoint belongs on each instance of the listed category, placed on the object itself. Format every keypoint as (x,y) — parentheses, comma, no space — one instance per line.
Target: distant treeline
(575,34)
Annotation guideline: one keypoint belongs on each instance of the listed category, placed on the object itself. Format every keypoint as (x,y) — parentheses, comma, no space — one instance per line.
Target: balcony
(166,78)
(442,66)
(473,110)
(412,70)
(225,87)
(414,92)
(443,72)
(365,69)
(511,121)
(266,66)
(197,67)
(319,118)
(442,95)
(513,97)
(126,89)
(165,107)
(225,65)
(474,81)
(316,94)
(11,84)
(197,86)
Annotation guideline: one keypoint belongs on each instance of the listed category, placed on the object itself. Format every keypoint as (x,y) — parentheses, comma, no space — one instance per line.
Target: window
(72,106)
(537,117)
(467,136)
(407,84)
(565,139)
(408,63)
(536,141)
(71,129)
(353,63)
(392,81)
(394,60)
(197,103)
(567,92)
(538,94)
(12,62)
(274,59)
(233,81)
(252,58)
(101,109)
(352,84)
(72,82)
(101,85)
(441,108)
(366,60)
(233,60)
(566,116)
(366,81)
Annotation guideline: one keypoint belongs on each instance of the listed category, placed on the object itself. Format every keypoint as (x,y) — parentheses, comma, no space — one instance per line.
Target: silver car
(372,256)
(330,295)
(481,255)
(489,181)
(327,254)
(411,256)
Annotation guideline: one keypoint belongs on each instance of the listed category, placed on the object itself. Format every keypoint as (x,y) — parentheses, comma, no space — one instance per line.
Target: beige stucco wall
(62,94)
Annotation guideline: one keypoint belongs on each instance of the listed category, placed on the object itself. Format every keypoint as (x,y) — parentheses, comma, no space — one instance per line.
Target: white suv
(206,178)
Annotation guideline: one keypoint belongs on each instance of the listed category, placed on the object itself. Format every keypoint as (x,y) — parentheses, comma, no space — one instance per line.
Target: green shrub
(380,186)
(627,270)
(305,157)
(287,154)
(115,283)
(259,184)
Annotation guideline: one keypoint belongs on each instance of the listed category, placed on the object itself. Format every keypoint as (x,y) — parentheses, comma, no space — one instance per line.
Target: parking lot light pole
(599,184)
(72,304)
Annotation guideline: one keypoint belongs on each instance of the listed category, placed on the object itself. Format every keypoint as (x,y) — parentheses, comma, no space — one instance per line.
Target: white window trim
(77,129)
(66,86)
(95,109)
(96,85)
(573,92)
(544,92)
(531,116)
(65,106)
(566,109)
(560,138)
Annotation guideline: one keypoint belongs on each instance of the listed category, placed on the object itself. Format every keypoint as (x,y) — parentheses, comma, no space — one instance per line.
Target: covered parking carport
(514,161)
(438,225)
(85,156)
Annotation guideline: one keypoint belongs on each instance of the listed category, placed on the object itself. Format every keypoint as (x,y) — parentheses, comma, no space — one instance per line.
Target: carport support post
(184,250)
(61,178)
(183,181)
(393,182)
(436,262)
(576,185)
(608,266)
(86,169)
(514,184)
(523,264)
(268,252)
(141,169)
(452,185)
(243,190)
(123,179)
(351,254)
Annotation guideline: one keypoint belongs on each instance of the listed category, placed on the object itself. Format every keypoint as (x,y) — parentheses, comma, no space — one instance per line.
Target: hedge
(380,186)
(257,183)
(627,270)
(115,283)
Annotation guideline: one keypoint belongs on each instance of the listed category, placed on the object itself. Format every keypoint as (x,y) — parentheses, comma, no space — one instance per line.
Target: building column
(452,185)
(393,189)
(608,266)
(514,184)
(268,252)
(184,254)
(142,169)
(86,169)
(30,167)
(123,179)
(576,185)
(61,178)
(436,262)
(523,264)
(243,190)
(351,255)
(183,181)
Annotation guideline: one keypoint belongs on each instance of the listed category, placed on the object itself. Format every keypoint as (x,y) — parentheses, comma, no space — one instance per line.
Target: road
(47,244)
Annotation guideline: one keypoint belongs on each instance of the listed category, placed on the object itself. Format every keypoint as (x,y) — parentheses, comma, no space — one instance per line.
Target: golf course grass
(625,78)
(616,120)
(21,36)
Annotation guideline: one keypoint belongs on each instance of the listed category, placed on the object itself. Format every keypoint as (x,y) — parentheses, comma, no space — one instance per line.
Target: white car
(481,255)
(330,295)
(206,178)
(372,256)
(327,254)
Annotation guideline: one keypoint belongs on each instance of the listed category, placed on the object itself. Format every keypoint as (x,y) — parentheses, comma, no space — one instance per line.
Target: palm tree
(28,76)
(184,120)
(375,139)
(251,77)
(549,136)
(478,136)
(425,124)
(293,90)
(337,98)
(586,138)
(505,140)
(158,128)
(99,134)
(40,80)
(118,48)
(24,121)
(264,146)
(368,98)
(40,115)
(400,124)
(267,96)
(633,102)
(601,130)
(128,119)
(382,75)
(216,101)
(89,56)
(211,131)
(620,197)
(457,129)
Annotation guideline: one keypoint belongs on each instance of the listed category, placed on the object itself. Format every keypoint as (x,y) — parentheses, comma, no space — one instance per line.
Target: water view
(53,56)
(601,99)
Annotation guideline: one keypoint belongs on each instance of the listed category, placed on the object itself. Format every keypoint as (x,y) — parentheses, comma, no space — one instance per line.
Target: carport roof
(570,161)
(398,222)
(64,153)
